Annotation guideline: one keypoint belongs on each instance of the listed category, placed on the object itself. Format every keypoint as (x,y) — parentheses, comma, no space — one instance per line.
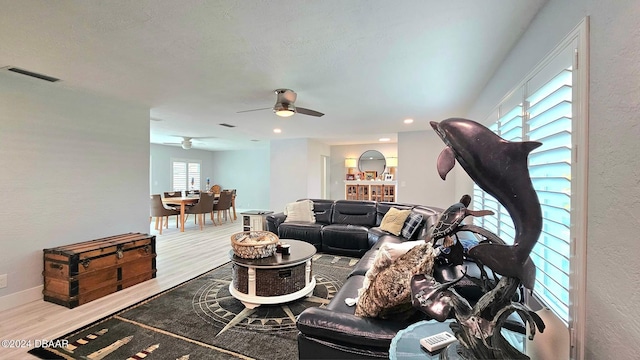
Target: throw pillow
(411,225)
(388,295)
(387,254)
(397,250)
(393,220)
(300,211)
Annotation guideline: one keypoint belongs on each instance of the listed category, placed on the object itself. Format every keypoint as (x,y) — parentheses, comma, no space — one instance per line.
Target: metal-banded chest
(78,273)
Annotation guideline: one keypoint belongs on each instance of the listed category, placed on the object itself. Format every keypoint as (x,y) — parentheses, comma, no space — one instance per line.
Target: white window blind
(549,122)
(542,111)
(185,175)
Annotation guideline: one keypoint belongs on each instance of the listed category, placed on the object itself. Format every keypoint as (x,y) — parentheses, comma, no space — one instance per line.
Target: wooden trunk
(78,273)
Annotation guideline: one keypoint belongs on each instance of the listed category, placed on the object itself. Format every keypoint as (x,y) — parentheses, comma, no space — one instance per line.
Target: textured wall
(74,168)
(613,269)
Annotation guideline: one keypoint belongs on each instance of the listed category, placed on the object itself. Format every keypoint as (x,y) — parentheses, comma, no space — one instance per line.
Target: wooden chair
(204,206)
(223,205)
(215,189)
(172,194)
(161,211)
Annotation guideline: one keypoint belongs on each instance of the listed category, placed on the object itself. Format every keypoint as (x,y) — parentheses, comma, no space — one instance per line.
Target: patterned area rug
(199,319)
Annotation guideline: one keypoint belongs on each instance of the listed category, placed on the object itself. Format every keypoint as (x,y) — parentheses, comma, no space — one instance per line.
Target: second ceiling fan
(285,105)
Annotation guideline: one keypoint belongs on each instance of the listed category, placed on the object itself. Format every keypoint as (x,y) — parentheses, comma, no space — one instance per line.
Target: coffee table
(275,279)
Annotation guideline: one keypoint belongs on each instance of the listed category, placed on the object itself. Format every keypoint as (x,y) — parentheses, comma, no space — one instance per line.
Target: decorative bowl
(254,244)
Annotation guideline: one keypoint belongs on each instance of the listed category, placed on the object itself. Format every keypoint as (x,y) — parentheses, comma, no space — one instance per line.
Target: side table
(255,220)
(406,343)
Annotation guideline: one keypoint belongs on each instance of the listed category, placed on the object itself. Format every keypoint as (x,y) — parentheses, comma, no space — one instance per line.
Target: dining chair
(160,211)
(215,189)
(204,206)
(172,194)
(223,206)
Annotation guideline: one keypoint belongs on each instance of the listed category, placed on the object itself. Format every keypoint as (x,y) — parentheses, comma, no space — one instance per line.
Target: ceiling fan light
(186,144)
(284,110)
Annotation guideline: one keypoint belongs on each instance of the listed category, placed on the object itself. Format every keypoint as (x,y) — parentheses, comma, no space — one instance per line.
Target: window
(549,107)
(185,175)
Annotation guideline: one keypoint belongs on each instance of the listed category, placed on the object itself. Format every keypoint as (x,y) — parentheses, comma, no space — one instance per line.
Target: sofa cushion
(394,220)
(411,225)
(304,231)
(389,292)
(354,212)
(374,234)
(351,240)
(300,211)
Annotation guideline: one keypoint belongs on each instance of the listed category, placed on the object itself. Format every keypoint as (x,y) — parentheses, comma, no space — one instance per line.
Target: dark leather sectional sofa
(351,228)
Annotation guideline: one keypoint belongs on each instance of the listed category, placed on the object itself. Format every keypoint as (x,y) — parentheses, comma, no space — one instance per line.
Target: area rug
(199,319)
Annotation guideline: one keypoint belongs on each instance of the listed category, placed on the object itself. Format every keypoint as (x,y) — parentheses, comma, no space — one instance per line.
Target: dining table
(183,201)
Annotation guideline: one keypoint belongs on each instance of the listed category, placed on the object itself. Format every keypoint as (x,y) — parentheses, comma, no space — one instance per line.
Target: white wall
(74,168)
(295,171)
(316,150)
(247,171)
(243,170)
(418,179)
(161,172)
(613,269)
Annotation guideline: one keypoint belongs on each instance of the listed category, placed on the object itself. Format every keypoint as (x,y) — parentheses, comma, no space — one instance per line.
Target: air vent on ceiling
(255,140)
(227,125)
(33,74)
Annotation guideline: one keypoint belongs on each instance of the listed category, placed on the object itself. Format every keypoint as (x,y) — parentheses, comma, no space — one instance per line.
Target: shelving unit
(370,190)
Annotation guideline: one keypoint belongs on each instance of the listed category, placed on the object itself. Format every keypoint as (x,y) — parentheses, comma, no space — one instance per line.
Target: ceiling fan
(285,105)
(187,142)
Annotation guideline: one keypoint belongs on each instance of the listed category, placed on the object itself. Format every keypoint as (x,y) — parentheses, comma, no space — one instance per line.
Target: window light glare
(277,131)
(408,121)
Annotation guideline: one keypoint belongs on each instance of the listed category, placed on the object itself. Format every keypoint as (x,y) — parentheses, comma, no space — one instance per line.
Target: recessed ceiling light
(277,131)
(384,139)
(408,121)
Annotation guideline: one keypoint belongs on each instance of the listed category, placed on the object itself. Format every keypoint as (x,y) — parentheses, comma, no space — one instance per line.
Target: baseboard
(20,298)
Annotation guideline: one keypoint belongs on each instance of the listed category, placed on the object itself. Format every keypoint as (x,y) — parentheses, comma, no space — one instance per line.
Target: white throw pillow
(397,250)
(300,211)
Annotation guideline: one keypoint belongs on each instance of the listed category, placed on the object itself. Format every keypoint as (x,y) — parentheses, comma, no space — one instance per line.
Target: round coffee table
(275,279)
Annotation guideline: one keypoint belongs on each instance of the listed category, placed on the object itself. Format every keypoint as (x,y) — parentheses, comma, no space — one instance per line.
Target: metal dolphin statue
(499,167)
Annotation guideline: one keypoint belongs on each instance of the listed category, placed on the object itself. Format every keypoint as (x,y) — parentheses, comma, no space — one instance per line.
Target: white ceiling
(366,64)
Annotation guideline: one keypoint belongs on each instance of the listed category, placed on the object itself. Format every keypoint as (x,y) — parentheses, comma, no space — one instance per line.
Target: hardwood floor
(181,256)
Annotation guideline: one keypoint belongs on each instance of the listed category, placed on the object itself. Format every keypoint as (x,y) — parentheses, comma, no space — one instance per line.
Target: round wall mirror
(372,160)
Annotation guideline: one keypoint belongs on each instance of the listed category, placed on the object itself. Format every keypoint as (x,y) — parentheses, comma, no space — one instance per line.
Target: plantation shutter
(542,111)
(550,116)
(185,175)
(194,176)
(179,178)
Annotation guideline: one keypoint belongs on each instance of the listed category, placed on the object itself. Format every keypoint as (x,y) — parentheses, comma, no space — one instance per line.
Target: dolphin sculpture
(499,167)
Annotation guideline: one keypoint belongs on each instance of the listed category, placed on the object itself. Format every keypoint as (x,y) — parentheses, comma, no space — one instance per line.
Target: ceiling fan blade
(304,111)
(244,111)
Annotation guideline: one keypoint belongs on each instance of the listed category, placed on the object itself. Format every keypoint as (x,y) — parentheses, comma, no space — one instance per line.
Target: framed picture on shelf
(388,177)
(351,176)
(370,175)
